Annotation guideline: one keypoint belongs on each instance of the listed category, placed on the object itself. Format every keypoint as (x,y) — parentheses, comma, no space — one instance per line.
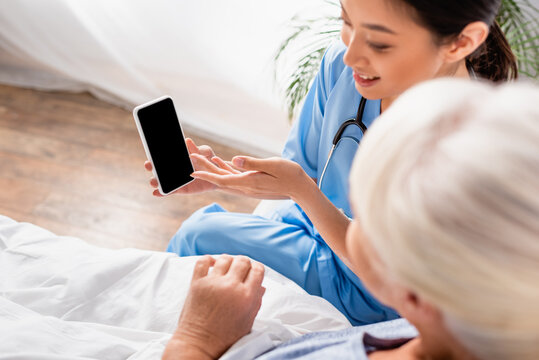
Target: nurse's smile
(365,80)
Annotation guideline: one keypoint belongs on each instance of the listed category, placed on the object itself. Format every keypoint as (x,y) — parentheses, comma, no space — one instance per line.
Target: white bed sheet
(62,298)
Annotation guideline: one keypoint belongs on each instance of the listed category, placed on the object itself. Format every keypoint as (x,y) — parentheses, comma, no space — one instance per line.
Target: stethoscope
(357,121)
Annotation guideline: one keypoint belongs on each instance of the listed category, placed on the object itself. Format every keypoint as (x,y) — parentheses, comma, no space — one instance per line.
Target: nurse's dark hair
(494,59)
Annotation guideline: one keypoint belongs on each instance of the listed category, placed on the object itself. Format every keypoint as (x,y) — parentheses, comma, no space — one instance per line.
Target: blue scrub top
(332,99)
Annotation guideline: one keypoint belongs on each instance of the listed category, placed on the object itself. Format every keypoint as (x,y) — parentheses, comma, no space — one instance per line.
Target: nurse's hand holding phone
(196,186)
(274,178)
(167,151)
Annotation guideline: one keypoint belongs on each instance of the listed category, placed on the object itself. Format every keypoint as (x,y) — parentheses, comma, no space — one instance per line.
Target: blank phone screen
(166,144)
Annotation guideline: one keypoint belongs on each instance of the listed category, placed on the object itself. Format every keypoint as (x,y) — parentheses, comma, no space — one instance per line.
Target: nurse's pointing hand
(273,178)
(273,165)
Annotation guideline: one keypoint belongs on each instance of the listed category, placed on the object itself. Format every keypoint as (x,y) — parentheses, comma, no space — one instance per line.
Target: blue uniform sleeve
(304,137)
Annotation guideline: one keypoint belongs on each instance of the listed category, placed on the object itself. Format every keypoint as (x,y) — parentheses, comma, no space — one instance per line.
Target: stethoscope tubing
(325,167)
(338,135)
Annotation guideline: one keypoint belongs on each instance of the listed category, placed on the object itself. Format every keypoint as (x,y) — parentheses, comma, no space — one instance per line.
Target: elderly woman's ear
(415,307)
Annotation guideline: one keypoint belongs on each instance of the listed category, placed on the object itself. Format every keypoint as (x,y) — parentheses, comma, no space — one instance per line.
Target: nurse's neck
(459,71)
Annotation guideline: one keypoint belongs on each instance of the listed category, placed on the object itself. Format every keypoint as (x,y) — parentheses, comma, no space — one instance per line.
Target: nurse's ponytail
(493,60)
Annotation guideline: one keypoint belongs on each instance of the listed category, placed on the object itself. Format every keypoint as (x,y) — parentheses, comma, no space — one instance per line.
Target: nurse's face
(387,50)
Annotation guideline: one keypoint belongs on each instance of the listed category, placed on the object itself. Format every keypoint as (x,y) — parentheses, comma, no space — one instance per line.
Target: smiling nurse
(387,47)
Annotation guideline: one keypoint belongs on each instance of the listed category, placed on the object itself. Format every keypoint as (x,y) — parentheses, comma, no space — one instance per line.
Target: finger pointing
(224,164)
(251,163)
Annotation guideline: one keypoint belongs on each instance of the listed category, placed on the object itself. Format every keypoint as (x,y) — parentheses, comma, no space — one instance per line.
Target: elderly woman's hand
(220,308)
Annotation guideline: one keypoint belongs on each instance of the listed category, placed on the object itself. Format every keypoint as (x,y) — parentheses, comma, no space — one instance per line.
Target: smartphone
(162,137)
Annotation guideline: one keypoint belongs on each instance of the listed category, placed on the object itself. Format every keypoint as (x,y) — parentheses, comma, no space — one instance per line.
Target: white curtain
(214,57)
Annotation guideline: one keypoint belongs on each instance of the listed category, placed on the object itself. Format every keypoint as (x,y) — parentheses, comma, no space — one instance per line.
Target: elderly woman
(445,192)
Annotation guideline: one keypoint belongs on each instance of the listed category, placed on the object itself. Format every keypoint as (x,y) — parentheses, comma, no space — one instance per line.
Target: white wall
(214,57)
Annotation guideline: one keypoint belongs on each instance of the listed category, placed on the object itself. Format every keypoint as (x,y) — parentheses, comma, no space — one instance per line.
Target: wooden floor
(74,165)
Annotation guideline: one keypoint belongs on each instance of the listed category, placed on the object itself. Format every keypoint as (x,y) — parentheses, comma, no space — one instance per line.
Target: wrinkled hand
(196,186)
(220,308)
(273,178)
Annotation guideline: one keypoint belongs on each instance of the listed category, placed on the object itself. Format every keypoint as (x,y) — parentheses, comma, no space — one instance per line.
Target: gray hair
(446,184)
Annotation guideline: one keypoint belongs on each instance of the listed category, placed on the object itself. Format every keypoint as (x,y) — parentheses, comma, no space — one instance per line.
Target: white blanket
(61,298)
